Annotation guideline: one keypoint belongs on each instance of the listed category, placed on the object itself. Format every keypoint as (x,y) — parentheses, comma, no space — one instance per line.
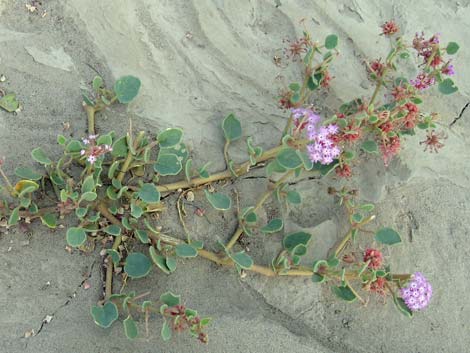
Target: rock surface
(198,61)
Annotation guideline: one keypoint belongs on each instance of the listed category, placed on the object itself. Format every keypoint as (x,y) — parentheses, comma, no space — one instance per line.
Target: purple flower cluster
(418,293)
(322,149)
(423,81)
(448,70)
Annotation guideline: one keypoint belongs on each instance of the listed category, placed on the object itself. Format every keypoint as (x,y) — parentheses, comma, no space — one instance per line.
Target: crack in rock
(462,111)
(49,317)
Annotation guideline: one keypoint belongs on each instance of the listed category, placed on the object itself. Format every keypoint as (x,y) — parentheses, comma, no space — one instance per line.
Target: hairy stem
(225,261)
(130,157)
(242,169)
(90,112)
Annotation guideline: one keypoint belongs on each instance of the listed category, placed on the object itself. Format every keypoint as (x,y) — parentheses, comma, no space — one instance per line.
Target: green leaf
(115,257)
(89,196)
(317,278)
(171,263)
(113,229)
(232,128)
(367,207)
(136,211)
(290,241)
(158,260)
(289,158)
(166,331)
(137,265)
(294,86)
(294,197)
(105,139)
(169,137)
(105,315)
(130,328)
(26,187)
(27,173)
(344,292)
(218,201)
(250,217)
(142,236)
(185,250)
(452,48)
(187,169)
(331,41)
(14,217)
(75,236)
(274,225)
(74,146)
(167,164)
(401,306)
(149,193)
(387,236)
(87,99)
(447,86)
(295,98)
(9,102)
(49,220)
(197,244)
(274,167)
(40,156)
(170,299)
(97,83)
(242,259)
(126,88)
(88,184)
(120,147)
(370,146)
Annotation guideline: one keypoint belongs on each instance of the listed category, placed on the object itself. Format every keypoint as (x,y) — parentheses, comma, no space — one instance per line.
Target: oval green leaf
(274,225)
(387,236)
(149,193)
(137,265)
(167,164)
(289,158)
(331,41)
(290,241)
(130,328)
(218,201)
(40,156)
(344,292)
(75,236)
(185,250)
(232,128)
(169,137)
(126,88)
(27,173)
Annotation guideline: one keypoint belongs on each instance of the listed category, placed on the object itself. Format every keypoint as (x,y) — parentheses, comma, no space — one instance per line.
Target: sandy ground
(199,60)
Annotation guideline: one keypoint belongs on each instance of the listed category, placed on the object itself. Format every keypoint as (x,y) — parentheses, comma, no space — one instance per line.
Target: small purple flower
(422,81)
(418,293)
(448,70)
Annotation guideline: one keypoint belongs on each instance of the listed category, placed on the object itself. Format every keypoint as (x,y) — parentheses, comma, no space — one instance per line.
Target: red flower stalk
(344,171)
(389,28)
(374,257)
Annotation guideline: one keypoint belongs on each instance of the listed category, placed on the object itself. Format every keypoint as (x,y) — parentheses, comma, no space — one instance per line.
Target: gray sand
(192,81)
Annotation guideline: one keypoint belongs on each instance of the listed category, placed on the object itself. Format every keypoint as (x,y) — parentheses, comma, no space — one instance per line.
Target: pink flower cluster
(322,149)
(93,151)
(423,81)
(418,293)
(423,46)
